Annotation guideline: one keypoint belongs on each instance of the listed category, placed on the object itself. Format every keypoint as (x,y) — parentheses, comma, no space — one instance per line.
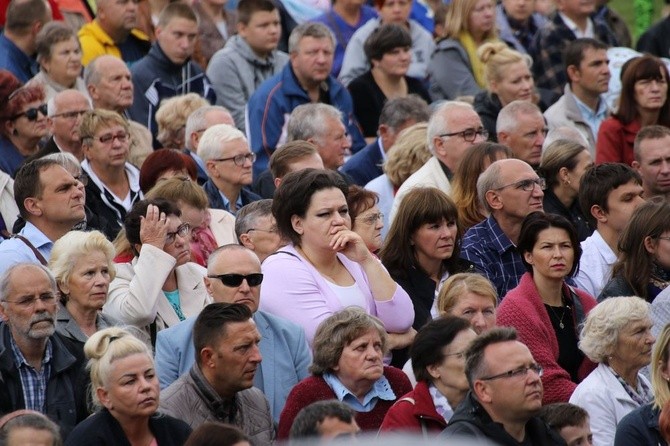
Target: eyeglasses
(110,137)
(663,238)
(516,373)
(526,185)
(70,115)
(272,230)
(458,355)
(82,178)
(372,218)
(182,231)
(31,113)
(239,160)
(235,280)
(28,302)
(469,135)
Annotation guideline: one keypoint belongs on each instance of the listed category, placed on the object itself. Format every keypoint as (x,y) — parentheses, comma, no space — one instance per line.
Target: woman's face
(434,241)
(450,373)
(326,215)
(31,128)
(361,361)
(552,255)
(482,18)
(659,248)
(176,244)
(395,11)
(89,282)
(478,309)
(651,94)
(192,215)
(64,65)
(634,345)
(516,84)
(395,62)
(574,176)
(132,389)
(368,224)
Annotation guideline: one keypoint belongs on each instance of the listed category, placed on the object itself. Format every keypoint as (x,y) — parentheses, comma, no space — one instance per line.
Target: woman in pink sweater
(545,311)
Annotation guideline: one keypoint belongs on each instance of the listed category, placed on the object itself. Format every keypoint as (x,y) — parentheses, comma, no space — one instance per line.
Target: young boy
(570,421)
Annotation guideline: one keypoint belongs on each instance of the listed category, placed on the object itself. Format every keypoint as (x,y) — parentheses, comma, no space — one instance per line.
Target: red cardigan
(315,388)
(523,309)
(414,412)
(615,141)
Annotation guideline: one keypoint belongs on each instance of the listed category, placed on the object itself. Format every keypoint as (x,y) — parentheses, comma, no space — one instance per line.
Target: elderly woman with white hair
(82,263)
(229,161)
(617,336)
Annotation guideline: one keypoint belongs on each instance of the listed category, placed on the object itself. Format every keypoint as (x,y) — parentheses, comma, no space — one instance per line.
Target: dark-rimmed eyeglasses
(70,115)
(239,160)
(526,185)
(82,178)
(182,231)
(31,113)
(516,373)
(469,135)
(235,280)
(30,301)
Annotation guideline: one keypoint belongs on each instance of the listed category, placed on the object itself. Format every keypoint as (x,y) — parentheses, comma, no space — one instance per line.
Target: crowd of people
(274,221)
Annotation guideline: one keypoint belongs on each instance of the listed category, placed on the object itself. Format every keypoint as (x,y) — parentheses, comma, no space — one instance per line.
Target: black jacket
(552,205)
(640,428)
(471,421)
(66,390)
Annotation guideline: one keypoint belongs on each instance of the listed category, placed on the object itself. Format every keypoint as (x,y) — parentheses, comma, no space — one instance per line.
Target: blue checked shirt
(494,255)
(33,382)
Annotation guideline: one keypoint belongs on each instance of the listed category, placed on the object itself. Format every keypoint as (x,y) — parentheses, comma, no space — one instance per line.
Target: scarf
(471,49)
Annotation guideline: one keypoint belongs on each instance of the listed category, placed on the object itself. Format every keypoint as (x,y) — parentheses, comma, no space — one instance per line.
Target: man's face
(621,203)
(389,134)
(519,10)
(112,151)
(527,138)
(332,428)
(510,398)
(68,111)
(511,200)
(333,144)
(654,165)
(263,31)
(451,149)
(313,60)
(235,261)
(118,15)
(578,435)
(593,74)
(62,199)
(30,306)
(226,169)
(395,11)
(177,39)
(263,238)
(236,357)
(212,117)
(115,89)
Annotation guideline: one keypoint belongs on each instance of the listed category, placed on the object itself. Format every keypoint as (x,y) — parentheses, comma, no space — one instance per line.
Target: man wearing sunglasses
(505,395)
(234,276)
(508,190)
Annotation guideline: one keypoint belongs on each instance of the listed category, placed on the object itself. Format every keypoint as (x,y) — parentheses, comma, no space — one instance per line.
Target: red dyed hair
(165,160)
(15,96)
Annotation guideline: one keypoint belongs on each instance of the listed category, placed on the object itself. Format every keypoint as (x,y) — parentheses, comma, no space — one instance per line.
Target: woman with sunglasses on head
(23,121)
(545,311)
(161,286)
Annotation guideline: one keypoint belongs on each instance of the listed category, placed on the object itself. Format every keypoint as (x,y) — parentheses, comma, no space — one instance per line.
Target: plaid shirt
(33,382)
(548,46)
(494,255)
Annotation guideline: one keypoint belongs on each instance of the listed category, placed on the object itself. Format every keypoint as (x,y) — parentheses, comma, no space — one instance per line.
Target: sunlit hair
(94,120)
(559,154)
(408,154)
(178,189)
(459,285)
(457,21)
(171,117)
(659,361)
(497,57)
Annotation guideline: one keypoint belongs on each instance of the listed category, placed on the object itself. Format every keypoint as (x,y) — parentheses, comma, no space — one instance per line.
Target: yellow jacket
(96,42)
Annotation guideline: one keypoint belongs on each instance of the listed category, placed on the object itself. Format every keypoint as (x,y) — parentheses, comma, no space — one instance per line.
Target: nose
(244,286)
(256,355)
(665,167)
(478,322)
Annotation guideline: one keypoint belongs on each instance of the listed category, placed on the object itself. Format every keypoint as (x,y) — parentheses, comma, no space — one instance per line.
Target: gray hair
(197,121)
(210,143)
(249,214)
(52,109)
(398,111)
(603,325)
(28,419)
(567,133)
(309,29)
(309,121)
(66,160)
(508,116)
(439,122)
(6,278)
(488,180)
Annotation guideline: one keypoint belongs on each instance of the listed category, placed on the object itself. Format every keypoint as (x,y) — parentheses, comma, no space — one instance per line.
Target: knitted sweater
(523,309)
(315,388)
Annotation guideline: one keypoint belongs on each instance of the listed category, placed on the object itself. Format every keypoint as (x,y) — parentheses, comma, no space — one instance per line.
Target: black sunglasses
(235,280)
(31,113)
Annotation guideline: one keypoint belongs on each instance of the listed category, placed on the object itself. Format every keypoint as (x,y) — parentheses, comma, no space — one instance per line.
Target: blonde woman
(171,118)
(469,296)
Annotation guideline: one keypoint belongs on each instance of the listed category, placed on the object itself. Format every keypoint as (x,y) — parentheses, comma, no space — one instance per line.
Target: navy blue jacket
(365,165)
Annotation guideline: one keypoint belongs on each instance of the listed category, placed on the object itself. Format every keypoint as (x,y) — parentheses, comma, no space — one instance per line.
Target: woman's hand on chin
(153,227)
(350,244)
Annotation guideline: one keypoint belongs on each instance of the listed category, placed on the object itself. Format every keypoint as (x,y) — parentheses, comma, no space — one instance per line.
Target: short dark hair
(398,111)
(214,433)
(281,159)
(599,181)
(648,132)
(360,200)
(426,350)
(573,55)
(306,423)
(28,182)
(385,39)
(560,415)
(294,196)
(211,323)
(246,217)
(134,217)
(536,222)
(474,355)
(21,15)
(247,8)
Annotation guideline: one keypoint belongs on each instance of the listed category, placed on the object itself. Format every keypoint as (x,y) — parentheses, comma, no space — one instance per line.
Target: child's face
(578,435)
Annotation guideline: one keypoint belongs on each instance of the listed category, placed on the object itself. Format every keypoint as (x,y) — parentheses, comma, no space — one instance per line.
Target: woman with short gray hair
(617,336)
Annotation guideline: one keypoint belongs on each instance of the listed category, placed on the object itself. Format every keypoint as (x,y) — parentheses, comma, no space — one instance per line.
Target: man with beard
(37,369)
